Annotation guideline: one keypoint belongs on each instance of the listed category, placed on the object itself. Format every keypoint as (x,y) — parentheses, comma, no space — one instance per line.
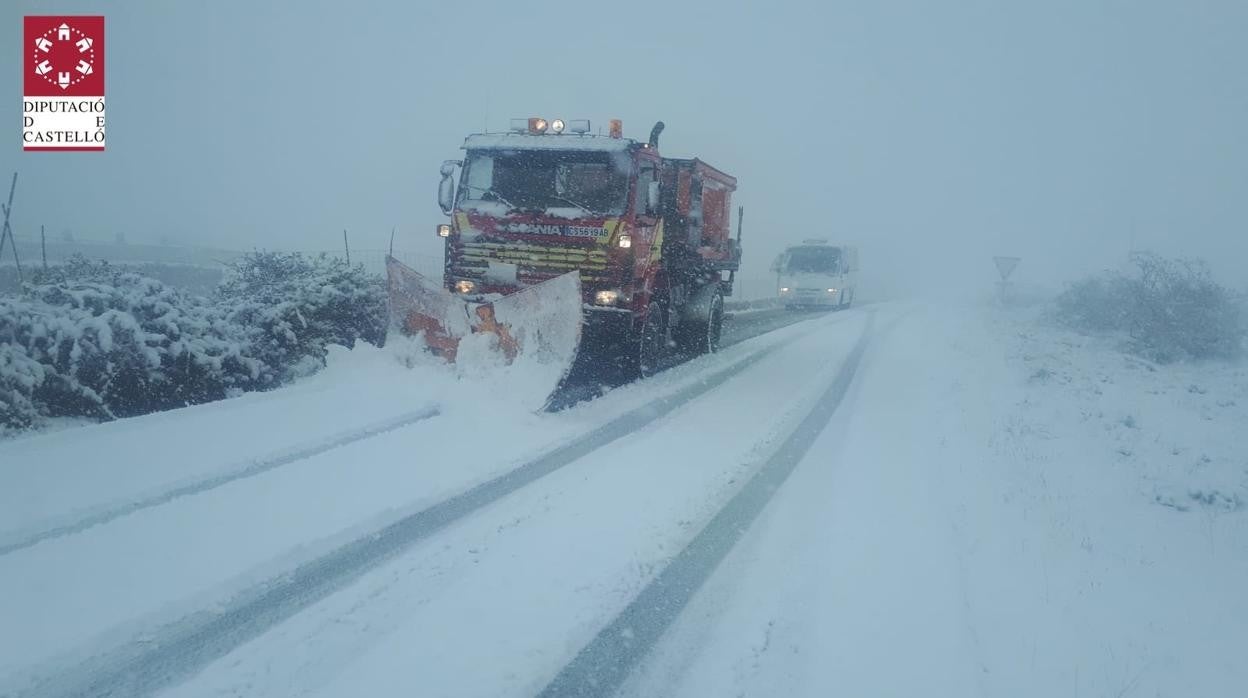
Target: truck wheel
(707,332)
(651,343)
(717,325)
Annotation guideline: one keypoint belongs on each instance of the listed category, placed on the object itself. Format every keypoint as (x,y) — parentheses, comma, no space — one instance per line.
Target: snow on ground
(495,604)
(1001,508)
(74,595)
(1179,427)
(50,479)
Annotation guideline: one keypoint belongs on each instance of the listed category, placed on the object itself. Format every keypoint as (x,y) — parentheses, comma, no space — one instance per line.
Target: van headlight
(784,289)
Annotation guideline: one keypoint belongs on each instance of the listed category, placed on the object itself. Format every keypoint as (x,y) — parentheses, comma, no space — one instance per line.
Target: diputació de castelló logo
(63,83)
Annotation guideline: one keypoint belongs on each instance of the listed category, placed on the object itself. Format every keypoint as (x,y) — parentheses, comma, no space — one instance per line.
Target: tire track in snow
(602,665)
(79,523)
(183,648)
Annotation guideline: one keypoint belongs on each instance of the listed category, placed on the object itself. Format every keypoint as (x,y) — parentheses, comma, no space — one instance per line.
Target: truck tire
(651,345)
(717,325)
(701,322)
(708,331)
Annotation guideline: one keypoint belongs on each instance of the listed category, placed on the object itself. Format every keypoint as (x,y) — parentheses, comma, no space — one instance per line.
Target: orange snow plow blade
(536,329)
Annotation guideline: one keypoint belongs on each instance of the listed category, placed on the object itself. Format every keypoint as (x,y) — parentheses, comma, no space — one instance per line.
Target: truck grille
(534,262)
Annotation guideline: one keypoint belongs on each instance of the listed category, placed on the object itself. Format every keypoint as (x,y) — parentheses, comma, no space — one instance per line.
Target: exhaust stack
(654,134)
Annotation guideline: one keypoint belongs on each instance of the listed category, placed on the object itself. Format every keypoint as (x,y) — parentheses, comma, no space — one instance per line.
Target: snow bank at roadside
(1176,431)
(1113,555)
(51,479)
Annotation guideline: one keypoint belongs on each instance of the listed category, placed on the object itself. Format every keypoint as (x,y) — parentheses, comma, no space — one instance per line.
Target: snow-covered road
(102,590)
(955,531)
(951,526)
(514,591)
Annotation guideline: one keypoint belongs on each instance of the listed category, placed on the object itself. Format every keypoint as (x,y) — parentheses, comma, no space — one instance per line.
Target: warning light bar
(537,126)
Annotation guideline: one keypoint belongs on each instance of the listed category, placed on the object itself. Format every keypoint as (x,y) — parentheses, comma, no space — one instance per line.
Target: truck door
(647,172)
(645,218)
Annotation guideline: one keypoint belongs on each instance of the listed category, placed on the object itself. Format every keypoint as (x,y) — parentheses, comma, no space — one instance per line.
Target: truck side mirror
(652,198)
(446,188)
(446,194)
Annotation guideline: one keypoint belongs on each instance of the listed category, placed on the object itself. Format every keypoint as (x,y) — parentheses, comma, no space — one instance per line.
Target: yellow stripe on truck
(610,226)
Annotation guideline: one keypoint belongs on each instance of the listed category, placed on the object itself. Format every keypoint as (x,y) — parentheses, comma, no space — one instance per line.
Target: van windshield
(813,260)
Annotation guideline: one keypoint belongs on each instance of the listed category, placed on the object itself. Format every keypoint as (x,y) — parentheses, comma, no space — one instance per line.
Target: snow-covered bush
(1169,310)
(94,340)
(294,306)
(190,278)
(20,377)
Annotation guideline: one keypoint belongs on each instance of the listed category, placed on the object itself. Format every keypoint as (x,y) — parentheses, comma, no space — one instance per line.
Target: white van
(817,274)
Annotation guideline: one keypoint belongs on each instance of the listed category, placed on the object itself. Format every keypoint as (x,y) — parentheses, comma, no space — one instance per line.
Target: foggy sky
(933,135)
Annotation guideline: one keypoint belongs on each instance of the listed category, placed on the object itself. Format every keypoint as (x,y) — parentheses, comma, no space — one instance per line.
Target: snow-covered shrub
(293,306)
(94,340)
(1169,310)
(186,277)
(76,268)
(20,377)
(1098,303)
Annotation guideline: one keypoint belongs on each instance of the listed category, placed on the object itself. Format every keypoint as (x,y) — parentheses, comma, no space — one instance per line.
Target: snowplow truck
(637,248)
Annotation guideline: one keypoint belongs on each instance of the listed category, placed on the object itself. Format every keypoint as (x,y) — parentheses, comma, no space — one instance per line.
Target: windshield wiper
(580,206)
(485,190)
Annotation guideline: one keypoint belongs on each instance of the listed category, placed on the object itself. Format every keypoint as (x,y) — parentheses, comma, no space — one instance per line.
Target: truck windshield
(539,180)
(813,260)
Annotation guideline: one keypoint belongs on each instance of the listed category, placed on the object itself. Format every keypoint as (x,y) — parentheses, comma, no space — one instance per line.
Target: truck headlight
(831,290)
(465,286)
(625,240)
(608,297)
(784,289)
(444,230)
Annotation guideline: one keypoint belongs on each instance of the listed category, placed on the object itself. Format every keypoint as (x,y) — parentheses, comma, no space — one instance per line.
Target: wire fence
(374,260)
